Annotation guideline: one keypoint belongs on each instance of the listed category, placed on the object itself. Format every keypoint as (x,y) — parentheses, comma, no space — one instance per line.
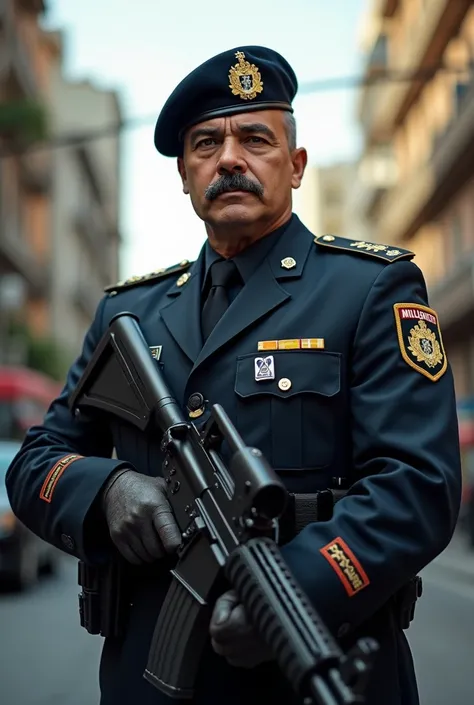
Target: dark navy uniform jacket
(373,403)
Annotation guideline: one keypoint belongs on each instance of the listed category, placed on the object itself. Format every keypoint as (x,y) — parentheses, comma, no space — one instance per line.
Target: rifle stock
(227,514)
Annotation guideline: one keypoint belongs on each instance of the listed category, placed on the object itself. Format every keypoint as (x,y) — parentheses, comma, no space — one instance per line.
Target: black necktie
(223,273)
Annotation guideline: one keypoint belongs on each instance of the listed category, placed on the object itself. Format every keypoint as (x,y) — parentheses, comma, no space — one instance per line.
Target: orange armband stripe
(345,564)
(54,474)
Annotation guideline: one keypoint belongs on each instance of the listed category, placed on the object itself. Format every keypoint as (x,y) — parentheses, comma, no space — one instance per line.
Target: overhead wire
(371,78)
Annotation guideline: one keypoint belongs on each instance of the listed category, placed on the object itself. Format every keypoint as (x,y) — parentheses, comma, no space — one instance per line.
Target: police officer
(325,354)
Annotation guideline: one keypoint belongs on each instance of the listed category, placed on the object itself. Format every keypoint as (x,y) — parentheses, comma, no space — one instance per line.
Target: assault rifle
(228,516)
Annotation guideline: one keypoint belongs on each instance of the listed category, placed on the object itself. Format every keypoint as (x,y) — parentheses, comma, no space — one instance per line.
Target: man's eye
(207,142)
(256,140)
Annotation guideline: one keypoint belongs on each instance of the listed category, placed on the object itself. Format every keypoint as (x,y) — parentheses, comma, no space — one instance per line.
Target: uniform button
(68,541)
(329,238)
(195,405)
(284,384)
(343,629)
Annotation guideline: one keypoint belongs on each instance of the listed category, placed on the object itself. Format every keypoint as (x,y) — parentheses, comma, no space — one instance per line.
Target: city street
(442,635)
(47,659)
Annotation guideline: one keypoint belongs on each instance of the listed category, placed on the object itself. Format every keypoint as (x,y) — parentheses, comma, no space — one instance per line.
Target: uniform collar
(270,286)
(249,259)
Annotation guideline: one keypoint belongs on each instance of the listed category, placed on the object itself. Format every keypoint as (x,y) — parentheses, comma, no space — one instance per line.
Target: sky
(142,49)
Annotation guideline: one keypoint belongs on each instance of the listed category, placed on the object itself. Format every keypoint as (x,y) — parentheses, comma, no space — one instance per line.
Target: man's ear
(300,159)
(182,173)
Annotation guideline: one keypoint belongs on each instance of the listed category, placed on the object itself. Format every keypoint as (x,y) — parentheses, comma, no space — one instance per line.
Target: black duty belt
(304,509)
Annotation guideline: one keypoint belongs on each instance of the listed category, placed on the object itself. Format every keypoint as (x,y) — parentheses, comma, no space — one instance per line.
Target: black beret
(236,81)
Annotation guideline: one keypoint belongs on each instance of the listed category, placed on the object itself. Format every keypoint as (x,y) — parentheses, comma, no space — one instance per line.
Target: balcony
(386,8)
(424,50)
(90,227)
(453,153)
(17,256)
(5,24)
(18,62)
(377,63)
(402,209)
(424,195)
(378,57)
(453,298)
(36,171)
(377,173)
(86,299)
(35,6)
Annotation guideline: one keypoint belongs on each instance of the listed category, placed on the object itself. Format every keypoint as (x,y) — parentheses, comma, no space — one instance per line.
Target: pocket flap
(308,372)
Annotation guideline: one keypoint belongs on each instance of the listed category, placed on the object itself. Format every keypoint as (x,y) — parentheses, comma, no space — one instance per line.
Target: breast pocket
(291,417)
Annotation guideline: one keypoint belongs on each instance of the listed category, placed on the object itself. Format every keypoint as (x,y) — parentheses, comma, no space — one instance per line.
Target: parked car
(23,555)
(25,396)
(467,512)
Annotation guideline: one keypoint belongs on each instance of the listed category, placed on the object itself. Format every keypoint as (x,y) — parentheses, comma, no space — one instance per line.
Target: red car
(23,555)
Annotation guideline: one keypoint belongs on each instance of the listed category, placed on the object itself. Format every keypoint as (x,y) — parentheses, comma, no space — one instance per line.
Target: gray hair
(290,127)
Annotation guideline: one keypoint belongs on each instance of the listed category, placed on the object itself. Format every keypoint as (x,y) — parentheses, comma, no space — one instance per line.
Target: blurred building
(324,202)
(85,230)
(418,161)
(25,180)
(59,207)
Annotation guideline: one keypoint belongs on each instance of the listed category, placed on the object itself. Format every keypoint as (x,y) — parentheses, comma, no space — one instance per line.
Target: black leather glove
(233,637)
(139,517)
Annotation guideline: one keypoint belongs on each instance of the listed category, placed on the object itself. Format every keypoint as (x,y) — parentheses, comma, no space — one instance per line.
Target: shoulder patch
(145,278)
(373,249)
(420,341)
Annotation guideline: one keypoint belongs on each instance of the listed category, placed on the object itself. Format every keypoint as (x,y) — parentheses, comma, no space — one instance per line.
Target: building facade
(85,215)
(25,178)
(419,122)
(326,202)
(59,204)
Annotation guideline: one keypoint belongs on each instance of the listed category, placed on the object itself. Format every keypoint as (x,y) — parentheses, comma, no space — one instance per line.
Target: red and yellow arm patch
(345,564)
(420,341)
(53,476)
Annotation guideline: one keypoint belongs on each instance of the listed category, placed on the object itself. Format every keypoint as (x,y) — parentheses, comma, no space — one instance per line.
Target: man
(324,353)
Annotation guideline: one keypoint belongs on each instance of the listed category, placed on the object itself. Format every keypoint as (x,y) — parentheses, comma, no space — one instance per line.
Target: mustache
(232,182)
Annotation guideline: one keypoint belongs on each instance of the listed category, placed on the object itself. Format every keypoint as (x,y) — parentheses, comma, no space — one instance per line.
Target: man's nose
(231,158)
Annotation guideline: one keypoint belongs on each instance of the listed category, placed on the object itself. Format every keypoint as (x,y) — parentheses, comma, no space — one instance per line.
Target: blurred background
(386,111)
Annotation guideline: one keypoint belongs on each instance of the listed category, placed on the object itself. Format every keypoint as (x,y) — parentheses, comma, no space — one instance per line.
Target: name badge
(264,368)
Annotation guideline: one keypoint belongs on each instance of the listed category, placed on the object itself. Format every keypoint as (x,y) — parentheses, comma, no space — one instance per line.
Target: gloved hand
(139,517)
(233,637)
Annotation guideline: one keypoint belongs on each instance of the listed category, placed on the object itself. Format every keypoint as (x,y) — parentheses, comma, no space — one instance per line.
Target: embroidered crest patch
(420,341)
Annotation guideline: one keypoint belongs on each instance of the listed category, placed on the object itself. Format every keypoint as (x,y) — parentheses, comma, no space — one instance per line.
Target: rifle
(228,517)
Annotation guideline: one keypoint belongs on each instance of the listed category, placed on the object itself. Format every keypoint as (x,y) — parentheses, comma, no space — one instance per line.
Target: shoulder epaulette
(373,249)
(145,278)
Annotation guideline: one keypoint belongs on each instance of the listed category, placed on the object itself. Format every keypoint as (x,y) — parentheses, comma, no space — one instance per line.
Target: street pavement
(442,634)
(47,659)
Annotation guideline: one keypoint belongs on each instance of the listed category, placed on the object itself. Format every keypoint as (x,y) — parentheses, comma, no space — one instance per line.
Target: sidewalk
(458,558)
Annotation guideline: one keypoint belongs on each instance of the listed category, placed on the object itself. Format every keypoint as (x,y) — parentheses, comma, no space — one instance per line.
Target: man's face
(238,170)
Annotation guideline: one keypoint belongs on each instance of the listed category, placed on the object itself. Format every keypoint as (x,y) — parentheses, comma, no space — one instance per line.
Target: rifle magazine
(179,638)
